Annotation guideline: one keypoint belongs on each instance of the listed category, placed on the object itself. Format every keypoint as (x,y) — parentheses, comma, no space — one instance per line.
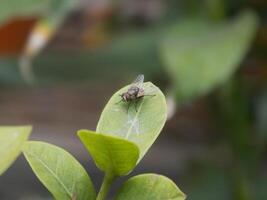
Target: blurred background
(61,60)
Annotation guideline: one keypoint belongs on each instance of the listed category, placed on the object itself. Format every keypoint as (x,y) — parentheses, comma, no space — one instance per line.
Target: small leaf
(111,154)
(11,142)
(141,124)
(200,55)
(59,171)
(150,187)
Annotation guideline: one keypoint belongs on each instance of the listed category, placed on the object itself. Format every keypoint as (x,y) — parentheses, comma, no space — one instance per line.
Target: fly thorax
(131,91)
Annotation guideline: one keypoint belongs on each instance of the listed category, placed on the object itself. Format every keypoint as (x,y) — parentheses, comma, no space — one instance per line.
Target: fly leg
(135,105)
(149,95)
(128,107)
(119,101)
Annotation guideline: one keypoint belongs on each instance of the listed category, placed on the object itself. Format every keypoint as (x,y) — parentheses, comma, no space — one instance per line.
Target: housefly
(135,92)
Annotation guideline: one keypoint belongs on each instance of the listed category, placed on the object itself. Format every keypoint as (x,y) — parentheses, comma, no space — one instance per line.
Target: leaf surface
(11,143)
(59,171)
(141,123)
(150,187)
(111,154)
(199,55)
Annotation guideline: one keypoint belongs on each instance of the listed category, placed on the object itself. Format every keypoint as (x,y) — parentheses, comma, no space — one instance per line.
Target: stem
(108,179)
(241,188)
(216,9)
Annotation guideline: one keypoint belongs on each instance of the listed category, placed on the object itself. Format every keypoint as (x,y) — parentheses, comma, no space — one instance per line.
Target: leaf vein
(134,120)
(52,173)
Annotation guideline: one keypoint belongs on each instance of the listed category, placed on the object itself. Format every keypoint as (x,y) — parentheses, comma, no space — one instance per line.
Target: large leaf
(61,174)
(111,154)
(150,187)
(141,123)
(199,55)
(12,139)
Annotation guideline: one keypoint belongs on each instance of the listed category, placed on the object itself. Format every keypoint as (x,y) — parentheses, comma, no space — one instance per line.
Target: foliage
(62,175)
(110,154)
(149,186)
(124,134)
(11,140)
(140,124)
(207,54)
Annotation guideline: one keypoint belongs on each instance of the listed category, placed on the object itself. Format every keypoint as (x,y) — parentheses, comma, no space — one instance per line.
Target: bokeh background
(61,60)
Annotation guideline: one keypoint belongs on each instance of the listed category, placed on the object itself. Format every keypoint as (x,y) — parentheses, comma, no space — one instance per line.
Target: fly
(134,93)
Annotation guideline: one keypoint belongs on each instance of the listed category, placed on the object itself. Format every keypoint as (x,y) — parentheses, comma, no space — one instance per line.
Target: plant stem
(108,179)
(216,9)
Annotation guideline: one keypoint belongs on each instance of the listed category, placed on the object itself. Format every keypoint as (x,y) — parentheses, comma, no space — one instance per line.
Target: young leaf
(12,139)
(111,154)
(141,123)
(199,55)
(150,187)
(59,171)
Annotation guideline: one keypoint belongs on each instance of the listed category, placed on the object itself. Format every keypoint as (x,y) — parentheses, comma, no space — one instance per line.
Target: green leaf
(141,124)
(59,171)
(150,187)
(111,154)
(199,55)
(12,139)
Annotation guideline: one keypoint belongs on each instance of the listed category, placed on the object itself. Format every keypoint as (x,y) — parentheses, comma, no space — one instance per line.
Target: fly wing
(138,82)
(150,91)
